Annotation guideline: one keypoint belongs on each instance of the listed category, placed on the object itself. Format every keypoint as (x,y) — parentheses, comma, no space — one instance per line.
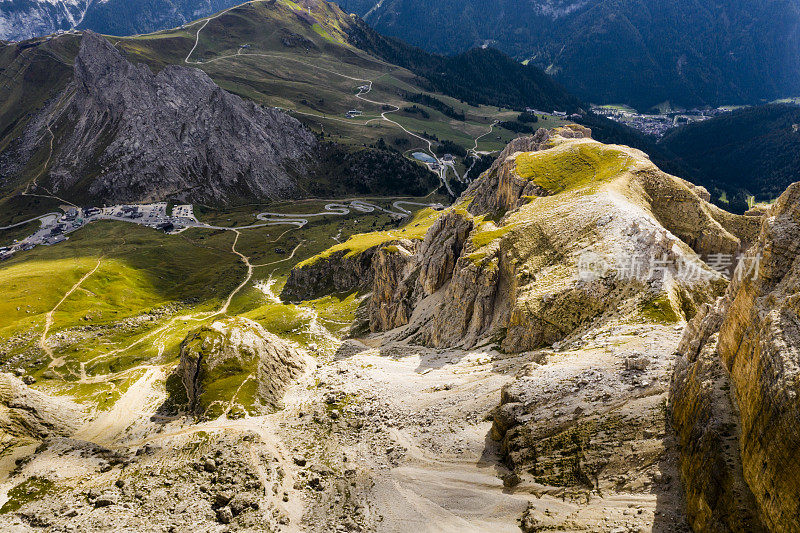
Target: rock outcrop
(394,272)
(340,271)
(560,233)
(501,189)
(25,412)
(236,363)
(735,389)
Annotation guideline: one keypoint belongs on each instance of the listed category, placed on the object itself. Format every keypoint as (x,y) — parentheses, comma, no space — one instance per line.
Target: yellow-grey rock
(735,390)
(25,412)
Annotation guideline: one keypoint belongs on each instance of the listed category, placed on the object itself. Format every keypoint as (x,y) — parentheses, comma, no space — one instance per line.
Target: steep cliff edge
(735,390)
(562,233)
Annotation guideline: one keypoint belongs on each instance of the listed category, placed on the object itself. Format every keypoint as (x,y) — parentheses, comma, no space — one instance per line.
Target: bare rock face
(740,364)
(174,134)
(478,291)
(236,363)
(706,228)
(341,271)
(548,242)
(25,412)
(440,250)
(394,273)
(717,495)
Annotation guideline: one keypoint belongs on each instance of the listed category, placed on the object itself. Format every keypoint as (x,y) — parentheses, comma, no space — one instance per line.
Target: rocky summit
(212,358)
(556,238)
(144,129)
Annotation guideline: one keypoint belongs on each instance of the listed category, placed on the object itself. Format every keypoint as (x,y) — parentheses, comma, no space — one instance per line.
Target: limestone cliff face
(536,250)
(339,272)
(395,273)
(751,339)
(236,363)
(706,228)
(469,305)
(519,281)
(25,412)
(440,250)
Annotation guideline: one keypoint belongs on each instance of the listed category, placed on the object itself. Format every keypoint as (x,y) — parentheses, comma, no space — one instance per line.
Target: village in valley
(657,124)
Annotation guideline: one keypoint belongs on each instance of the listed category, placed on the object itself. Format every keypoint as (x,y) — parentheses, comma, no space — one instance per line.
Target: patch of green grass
(32,489)
(476,258)
(660,310)
(482,238)
(140,268)
(572,165)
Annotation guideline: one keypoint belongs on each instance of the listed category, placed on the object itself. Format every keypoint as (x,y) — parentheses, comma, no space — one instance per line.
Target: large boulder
(235,366)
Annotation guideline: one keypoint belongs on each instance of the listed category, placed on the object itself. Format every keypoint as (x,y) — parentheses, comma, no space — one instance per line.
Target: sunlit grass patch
(573,165)
(415,229)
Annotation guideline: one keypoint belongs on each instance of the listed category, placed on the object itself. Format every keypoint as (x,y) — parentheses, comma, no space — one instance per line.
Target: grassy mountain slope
(484,75)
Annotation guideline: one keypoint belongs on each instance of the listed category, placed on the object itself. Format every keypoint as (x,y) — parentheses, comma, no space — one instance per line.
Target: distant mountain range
(639,52)
(23,19)
(644,53)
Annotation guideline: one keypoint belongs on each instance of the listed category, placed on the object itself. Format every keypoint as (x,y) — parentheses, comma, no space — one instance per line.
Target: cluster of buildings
(656,124)
(56,229)
(559,114)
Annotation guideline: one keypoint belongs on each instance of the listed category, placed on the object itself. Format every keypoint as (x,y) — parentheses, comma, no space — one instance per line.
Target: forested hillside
(485,76)
(638,52)
(753,151)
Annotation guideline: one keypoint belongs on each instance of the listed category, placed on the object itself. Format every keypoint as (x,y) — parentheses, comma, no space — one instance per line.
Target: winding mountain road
(363,90)
(340,209)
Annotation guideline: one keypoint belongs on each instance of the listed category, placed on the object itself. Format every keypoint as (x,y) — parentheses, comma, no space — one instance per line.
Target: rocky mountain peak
(509,261)
(148,130)
(97,60)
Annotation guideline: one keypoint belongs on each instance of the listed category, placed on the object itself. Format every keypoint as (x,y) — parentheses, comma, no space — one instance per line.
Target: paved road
(30,220)
(340,209)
